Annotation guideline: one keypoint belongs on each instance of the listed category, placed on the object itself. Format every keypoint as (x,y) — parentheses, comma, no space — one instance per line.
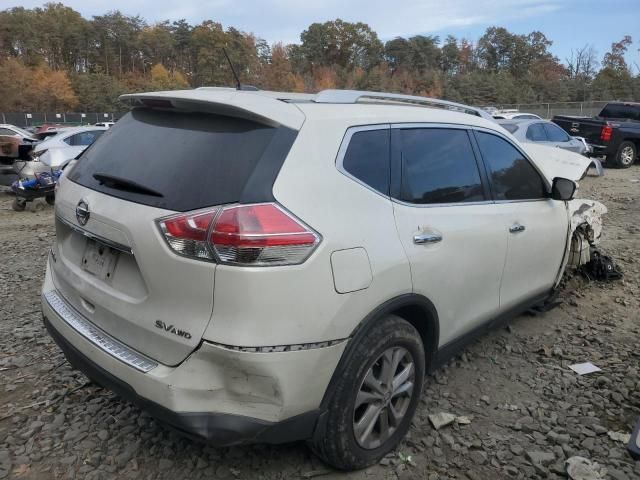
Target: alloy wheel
(384,397)
(626,156)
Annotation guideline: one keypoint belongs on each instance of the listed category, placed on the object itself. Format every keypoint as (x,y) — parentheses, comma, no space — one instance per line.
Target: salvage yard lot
(528,411)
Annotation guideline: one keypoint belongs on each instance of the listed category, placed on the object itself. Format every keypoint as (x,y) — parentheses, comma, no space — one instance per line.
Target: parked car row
(23,153)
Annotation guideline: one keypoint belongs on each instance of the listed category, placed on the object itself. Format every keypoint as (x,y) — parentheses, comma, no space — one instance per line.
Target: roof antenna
(239,86)
(233,70)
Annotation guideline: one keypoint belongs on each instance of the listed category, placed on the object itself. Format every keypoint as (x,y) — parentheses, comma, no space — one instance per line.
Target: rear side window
(536,133)
(512,176)
(367,158)
(191,160)
(555,133)
(510,127)
(84,138)
(439,166)
(616,110)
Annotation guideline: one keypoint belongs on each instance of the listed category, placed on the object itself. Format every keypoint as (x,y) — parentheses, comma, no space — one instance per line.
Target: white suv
(267,267)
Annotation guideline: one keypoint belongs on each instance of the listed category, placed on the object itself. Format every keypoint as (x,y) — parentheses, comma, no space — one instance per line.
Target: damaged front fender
(585,231)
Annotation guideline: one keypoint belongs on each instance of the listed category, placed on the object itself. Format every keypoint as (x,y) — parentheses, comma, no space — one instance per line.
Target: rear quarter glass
(194,160)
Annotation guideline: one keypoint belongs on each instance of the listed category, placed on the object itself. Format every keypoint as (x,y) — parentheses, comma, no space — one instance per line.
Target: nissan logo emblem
(82,212)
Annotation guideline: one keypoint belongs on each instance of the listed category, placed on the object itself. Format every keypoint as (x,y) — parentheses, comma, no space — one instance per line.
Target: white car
(268,267)
(67,144)
(512,114)
(105,124)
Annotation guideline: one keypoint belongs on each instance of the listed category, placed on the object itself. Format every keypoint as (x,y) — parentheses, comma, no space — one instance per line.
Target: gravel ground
(528,412)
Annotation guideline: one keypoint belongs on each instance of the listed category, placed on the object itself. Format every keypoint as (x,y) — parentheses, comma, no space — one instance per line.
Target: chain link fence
(548,110)
(544,110)
(65,118)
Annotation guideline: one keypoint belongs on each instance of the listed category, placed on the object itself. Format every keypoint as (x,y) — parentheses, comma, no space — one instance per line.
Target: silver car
(58,149)
(545,132)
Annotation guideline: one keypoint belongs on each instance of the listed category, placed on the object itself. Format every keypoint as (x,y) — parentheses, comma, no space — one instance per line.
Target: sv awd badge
(171,329)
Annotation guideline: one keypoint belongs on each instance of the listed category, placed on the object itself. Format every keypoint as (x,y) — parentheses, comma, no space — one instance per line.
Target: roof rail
(359,96)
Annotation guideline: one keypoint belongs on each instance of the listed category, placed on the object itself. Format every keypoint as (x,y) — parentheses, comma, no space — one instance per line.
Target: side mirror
(562,189)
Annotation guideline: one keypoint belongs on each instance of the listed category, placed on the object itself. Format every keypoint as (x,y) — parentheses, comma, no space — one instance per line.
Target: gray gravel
(528,412)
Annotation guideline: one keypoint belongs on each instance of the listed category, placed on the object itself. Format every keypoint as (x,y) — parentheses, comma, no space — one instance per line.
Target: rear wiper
(120,183)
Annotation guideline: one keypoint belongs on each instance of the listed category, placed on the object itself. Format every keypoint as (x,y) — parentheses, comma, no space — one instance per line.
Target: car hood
(556,162)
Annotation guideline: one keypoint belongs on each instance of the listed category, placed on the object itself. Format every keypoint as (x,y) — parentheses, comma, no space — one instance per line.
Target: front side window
(367,158)
(439,166)
(512,175)
(536,133)
(555,133)
(7,132)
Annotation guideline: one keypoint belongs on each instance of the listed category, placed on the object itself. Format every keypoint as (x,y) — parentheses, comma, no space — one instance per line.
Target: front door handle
(516,227)
(421,239)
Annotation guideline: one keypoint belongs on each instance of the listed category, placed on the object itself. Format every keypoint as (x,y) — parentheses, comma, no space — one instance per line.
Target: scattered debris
(442,419)
(584,368)
(619,436)
(463,420)
(580,468)
(316,473)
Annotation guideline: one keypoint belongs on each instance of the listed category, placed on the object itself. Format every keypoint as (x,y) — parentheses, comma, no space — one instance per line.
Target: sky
(570,24)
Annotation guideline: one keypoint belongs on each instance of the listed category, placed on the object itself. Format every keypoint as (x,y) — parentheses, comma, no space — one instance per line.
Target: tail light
(605,133)
(249,235)
(35,156)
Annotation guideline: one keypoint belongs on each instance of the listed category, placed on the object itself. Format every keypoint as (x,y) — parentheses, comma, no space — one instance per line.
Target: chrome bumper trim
(93,334)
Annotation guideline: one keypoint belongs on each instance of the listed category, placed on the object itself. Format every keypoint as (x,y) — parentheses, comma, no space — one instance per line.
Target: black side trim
(215,428)
(449,350)
(259,186)
(436,357)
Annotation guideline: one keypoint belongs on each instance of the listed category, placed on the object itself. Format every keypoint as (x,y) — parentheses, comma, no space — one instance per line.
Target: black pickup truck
(614,134)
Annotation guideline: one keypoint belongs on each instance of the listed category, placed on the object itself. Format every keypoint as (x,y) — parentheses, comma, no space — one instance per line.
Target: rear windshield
(618,110)
(510,127)
(188,160)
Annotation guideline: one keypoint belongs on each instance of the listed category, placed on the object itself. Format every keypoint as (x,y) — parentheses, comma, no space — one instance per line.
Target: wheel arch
(416,309)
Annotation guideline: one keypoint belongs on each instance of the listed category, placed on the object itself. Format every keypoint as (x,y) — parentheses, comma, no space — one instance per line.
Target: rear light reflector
(186,233)
(249,235)
(605,133)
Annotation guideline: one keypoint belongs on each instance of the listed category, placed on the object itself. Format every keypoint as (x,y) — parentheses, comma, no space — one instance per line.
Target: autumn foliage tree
(53,58)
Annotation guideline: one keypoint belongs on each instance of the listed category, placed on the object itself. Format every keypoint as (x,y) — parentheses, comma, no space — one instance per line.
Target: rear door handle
(516,227)
(421,239)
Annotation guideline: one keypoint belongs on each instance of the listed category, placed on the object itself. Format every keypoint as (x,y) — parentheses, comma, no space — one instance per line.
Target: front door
(536,225)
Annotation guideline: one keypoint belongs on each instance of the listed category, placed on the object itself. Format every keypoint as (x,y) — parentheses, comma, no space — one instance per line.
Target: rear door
(536,225)
(450,230)
(113,264)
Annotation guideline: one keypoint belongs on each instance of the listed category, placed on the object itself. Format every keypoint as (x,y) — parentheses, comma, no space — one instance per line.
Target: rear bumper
(215,428)
(218,394)
(598,150)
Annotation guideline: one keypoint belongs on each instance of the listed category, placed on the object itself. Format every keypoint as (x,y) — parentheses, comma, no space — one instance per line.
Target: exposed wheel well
(423,321)
(415,309)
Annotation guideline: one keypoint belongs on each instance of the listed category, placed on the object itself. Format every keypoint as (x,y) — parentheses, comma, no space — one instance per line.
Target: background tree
(55,57)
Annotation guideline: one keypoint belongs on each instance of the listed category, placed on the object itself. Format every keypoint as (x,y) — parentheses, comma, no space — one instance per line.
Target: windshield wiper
(125,184)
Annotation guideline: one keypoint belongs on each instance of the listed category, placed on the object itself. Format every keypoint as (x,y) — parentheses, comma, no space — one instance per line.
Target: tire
(626,155)
(18,205)
(344,443)
(50,199)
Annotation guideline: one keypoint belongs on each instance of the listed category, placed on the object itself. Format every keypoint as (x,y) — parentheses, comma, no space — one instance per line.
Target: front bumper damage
(585,232)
